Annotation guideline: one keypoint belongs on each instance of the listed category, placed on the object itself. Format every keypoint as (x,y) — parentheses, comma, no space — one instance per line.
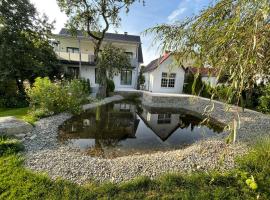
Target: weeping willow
(232,36)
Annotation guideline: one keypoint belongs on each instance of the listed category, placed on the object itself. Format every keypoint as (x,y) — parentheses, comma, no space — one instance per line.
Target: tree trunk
(102,75)
(20,86)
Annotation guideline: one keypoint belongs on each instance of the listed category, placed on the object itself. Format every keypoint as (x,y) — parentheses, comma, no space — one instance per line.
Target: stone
(20,136)
(14,126)
(33,137)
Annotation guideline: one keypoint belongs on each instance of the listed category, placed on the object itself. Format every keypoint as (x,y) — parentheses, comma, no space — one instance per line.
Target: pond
(127,128)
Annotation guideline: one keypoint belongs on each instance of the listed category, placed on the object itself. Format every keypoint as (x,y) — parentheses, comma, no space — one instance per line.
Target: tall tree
(231,35)
(111,61)
(25,52)
(94,18)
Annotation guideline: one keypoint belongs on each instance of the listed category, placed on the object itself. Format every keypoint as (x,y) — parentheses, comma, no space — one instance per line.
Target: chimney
(125,33)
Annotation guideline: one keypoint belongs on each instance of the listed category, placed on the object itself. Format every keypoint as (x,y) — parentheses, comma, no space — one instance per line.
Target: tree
(141,78)
(111,61)
(232,36)
(94,18)
(25,52)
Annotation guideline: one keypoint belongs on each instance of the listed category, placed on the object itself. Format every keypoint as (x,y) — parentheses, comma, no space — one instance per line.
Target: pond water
(128,128)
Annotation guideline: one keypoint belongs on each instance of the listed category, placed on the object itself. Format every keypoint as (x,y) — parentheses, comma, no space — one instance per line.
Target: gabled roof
(157,62)
(203,71)
(114,37)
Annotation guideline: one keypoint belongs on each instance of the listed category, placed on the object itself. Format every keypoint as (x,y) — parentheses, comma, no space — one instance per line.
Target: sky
(138,19)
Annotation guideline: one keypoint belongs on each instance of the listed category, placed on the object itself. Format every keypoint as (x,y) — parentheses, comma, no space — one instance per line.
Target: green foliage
(249,180)
(232,36)
(111,61)
(110,86)
(264,100)
(141,78)
(25,52)
(9,146)
(48,98)
(9,96)
(194,85)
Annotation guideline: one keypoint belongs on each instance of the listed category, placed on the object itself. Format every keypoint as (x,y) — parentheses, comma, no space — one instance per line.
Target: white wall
(167,66)
(88,72)
(210,80)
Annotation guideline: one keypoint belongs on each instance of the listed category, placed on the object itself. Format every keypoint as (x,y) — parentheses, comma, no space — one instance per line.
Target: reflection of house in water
(164,123)
(108,122)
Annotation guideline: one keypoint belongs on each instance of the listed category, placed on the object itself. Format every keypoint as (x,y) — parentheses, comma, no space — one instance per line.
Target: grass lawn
(250,180)
(16,112)
(20,113)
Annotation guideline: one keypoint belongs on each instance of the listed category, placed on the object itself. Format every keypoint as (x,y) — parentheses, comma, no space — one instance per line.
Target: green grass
(20,113)
(16,112)
(18,183)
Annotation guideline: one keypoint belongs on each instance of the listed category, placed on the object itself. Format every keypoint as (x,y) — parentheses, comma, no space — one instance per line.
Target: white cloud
(51,9)
(173,16)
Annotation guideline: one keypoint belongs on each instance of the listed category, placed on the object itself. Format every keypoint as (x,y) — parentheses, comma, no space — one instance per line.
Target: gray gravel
(45,154)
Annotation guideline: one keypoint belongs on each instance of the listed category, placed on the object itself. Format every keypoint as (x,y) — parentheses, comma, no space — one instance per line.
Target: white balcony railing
(83,57)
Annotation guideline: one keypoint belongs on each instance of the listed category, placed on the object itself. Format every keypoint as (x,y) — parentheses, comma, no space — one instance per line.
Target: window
(126,77)
(164,119)
(124,107)
(73,50)
(168,80)
(73,72)
(96,75)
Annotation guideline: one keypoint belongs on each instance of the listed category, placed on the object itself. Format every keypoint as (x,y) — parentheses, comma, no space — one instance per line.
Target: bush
(9,146)
(9,96)
(193,85)
(48,98)
(264,100)
(110,86)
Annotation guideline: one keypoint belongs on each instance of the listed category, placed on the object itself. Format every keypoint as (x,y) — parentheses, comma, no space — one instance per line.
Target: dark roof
(113,36)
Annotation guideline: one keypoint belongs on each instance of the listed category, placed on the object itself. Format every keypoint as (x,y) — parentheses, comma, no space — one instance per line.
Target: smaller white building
(164,75)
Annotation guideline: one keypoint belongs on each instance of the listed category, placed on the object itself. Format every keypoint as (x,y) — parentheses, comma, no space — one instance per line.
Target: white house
(164,75)
(77,56)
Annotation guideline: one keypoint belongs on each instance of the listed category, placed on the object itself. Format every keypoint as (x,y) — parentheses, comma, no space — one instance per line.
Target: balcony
(75,57)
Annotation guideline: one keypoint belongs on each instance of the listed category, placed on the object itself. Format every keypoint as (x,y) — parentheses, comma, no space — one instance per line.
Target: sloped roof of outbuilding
(154,64)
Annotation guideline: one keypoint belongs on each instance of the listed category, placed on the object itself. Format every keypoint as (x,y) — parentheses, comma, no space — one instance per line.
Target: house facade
(76,54)
(165,75)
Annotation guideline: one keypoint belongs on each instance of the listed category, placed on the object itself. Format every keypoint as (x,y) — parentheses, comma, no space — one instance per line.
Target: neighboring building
(77,56)
(164,75)
(208,74)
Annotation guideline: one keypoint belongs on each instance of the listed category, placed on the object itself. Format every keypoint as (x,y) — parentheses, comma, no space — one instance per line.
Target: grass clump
(253,169)
(9,146)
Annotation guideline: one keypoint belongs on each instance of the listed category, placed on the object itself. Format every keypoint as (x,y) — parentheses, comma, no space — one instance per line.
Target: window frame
(124,80)
(72,50)
(167,80)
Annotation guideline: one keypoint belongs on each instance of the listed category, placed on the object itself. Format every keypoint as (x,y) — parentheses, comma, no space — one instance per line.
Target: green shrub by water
(250,180)
(48,98)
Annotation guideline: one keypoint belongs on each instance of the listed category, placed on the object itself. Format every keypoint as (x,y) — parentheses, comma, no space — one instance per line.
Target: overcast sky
(138,19)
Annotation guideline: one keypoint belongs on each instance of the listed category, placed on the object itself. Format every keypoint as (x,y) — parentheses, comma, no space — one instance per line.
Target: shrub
(48,98)
(9,96)
(110,86)
(194,85)
(9,146)
(264,100)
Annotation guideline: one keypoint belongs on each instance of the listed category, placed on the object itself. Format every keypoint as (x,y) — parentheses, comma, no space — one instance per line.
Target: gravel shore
(45,154)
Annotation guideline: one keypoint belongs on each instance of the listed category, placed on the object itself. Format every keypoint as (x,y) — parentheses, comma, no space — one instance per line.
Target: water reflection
(125,128)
